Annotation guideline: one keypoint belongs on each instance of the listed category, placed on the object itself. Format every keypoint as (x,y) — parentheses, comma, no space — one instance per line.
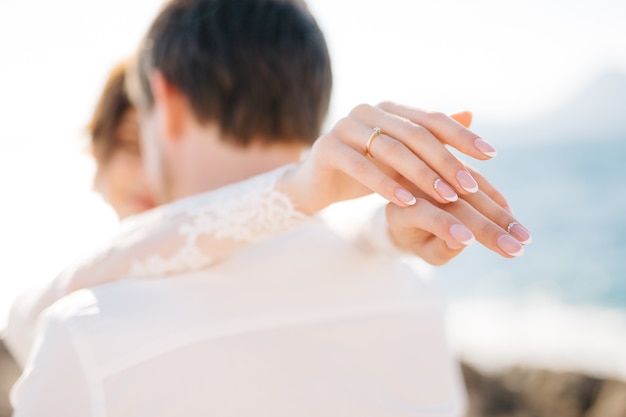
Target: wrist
(295,185)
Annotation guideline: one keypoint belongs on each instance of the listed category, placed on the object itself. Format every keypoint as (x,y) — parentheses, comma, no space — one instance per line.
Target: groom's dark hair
(258,68)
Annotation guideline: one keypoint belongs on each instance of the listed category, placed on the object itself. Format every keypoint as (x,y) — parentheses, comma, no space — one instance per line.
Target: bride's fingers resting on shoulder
(485,207)
(490,190)
(449,130)
(409,150)
(409,142)
(492,205)
(438,233)
(491,224)
(427,231)
(334,171)
(372,150)
(465,119)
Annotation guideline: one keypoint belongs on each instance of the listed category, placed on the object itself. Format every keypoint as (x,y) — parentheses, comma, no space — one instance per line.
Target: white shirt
(301,325)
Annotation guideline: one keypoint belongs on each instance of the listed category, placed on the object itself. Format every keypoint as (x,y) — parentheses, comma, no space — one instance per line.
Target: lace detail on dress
(212,224)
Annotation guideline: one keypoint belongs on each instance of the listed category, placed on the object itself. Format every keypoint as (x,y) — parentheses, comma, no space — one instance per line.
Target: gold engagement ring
(368,148)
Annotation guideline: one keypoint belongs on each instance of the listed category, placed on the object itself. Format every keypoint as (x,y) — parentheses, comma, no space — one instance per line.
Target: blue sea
(572,197)
(562,304)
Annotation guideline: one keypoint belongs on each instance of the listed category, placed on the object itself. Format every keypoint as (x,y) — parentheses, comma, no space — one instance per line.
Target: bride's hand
(439,232)
(375,147)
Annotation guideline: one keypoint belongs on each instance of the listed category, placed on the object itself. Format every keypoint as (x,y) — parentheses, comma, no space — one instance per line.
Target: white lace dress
(185,236)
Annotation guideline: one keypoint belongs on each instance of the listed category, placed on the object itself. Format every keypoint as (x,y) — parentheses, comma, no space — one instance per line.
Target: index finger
(445,128)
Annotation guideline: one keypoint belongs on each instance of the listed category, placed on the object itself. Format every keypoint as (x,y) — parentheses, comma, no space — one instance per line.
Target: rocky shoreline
(519,392)
(527,392)
(9,372)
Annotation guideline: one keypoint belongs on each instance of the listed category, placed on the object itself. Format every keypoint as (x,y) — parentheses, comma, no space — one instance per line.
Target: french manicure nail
(445,191)
(510,245)
(454,245)
(462,234)
(485,147)
(405,196)
(466,180)
(520,233)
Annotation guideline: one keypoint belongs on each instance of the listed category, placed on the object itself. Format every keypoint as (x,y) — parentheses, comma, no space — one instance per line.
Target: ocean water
(572,197)
(563,303)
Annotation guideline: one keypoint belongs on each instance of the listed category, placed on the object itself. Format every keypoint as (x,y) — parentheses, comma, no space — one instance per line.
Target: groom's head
(226,89)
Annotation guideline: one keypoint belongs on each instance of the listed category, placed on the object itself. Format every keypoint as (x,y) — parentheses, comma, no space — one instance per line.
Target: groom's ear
(170,105)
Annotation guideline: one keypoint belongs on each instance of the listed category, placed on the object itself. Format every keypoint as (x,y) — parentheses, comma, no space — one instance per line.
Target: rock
(9,371)
(527,392)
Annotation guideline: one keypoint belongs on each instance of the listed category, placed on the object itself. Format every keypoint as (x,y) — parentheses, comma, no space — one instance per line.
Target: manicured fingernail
(466,180)
(462,234)
(485,147)
(405,196)
(454,245)
(445,191)
(520,233)
(508,209)
(510,245)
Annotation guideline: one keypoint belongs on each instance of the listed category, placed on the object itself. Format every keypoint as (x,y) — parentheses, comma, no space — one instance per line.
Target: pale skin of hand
(408,166)
(422,228)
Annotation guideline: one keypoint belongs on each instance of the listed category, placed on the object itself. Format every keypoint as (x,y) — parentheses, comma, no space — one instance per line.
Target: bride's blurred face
(121,179)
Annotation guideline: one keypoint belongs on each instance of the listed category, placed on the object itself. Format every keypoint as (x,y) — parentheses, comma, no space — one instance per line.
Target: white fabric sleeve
(188,235)
(373,236)
(53,382)
(23,315)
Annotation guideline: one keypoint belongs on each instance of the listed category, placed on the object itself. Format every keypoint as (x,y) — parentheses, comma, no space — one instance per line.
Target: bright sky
(503,60)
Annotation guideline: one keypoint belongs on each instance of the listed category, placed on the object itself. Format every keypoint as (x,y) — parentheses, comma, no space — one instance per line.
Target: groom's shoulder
(75,313)
(122,298)
(109,309)
(79,303)
(105,321)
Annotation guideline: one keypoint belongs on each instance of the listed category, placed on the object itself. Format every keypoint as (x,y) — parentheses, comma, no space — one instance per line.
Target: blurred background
(546,82)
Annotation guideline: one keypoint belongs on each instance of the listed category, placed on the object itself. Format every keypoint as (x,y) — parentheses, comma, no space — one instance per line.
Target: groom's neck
(206,162)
